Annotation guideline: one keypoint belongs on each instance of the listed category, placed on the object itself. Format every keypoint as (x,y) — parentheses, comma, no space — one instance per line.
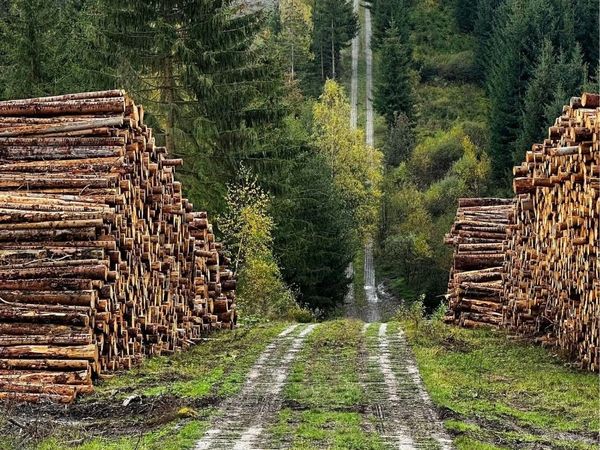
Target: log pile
(478,236)
(552,276)
(102,259)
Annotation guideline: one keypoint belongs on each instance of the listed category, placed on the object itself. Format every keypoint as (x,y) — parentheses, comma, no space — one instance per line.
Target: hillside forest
(256,100)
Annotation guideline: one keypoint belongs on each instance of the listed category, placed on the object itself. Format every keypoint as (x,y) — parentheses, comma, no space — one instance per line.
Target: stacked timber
(102,259)
(478,236)
(552,276)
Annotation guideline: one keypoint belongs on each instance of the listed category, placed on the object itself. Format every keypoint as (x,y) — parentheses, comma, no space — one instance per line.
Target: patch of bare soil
(30,423)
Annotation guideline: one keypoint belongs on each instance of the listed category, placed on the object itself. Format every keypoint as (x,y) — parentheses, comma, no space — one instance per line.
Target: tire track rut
(399,405)
(242,418)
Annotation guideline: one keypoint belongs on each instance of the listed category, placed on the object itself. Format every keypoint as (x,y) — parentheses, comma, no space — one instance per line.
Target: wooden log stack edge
(478,237)
(103,261)
(550,276)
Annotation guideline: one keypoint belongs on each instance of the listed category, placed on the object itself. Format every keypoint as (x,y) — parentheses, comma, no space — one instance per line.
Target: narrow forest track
(373,305)
(241,420)
(398,403)
(369,130)
(354,82)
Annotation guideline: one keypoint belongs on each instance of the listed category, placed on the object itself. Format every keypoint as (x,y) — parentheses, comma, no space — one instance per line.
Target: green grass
(324,394)
(170,437)
(325,375)
(506,393)
(323,430)
(214,368)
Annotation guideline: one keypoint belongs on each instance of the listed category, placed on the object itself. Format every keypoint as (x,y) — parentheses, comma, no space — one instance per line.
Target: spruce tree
(586,30)
(483,26)
(386,13)
(335,24)
(25,44)
(519,32)
(534,118)
(393,89)
(313,237)
(205,76)
(466,14)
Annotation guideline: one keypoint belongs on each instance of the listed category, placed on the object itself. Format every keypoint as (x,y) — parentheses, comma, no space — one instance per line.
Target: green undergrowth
(215,368)
(358,281)
(500,393)
(323,395)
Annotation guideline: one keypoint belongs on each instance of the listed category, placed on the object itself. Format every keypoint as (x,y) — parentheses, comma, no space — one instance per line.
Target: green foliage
(520,30)
(314,233)
(432,158)
(50,47)
(439,107)
(335,24)
(247,228)
(393,87)
(389,14)
(419,206)
(210,81)
(466,14)
(399,141)
(557,76)
(461,67)
(295,33)
(356,167)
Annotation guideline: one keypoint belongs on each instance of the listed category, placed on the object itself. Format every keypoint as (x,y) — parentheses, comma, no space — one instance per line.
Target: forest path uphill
(398,404)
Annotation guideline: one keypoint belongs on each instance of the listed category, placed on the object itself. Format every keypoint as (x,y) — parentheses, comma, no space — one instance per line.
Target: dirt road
(369,78)
(398,404)
(242,418)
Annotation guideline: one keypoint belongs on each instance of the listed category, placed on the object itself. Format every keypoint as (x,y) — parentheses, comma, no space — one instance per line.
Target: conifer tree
(25,43)
(393,89)
(534,107)
(203,71)
(295,33)
(335,24)
(519,32)
(466,14)
(314,233)
(388,13)
(587,26)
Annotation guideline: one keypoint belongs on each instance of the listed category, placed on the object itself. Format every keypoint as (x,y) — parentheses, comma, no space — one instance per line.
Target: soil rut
(400,406)
(240,424)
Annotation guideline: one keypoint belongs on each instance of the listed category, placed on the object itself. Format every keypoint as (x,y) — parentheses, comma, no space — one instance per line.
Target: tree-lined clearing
(331,141)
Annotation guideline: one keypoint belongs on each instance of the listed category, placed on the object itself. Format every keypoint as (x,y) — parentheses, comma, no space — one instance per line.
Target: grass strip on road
(325,401)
